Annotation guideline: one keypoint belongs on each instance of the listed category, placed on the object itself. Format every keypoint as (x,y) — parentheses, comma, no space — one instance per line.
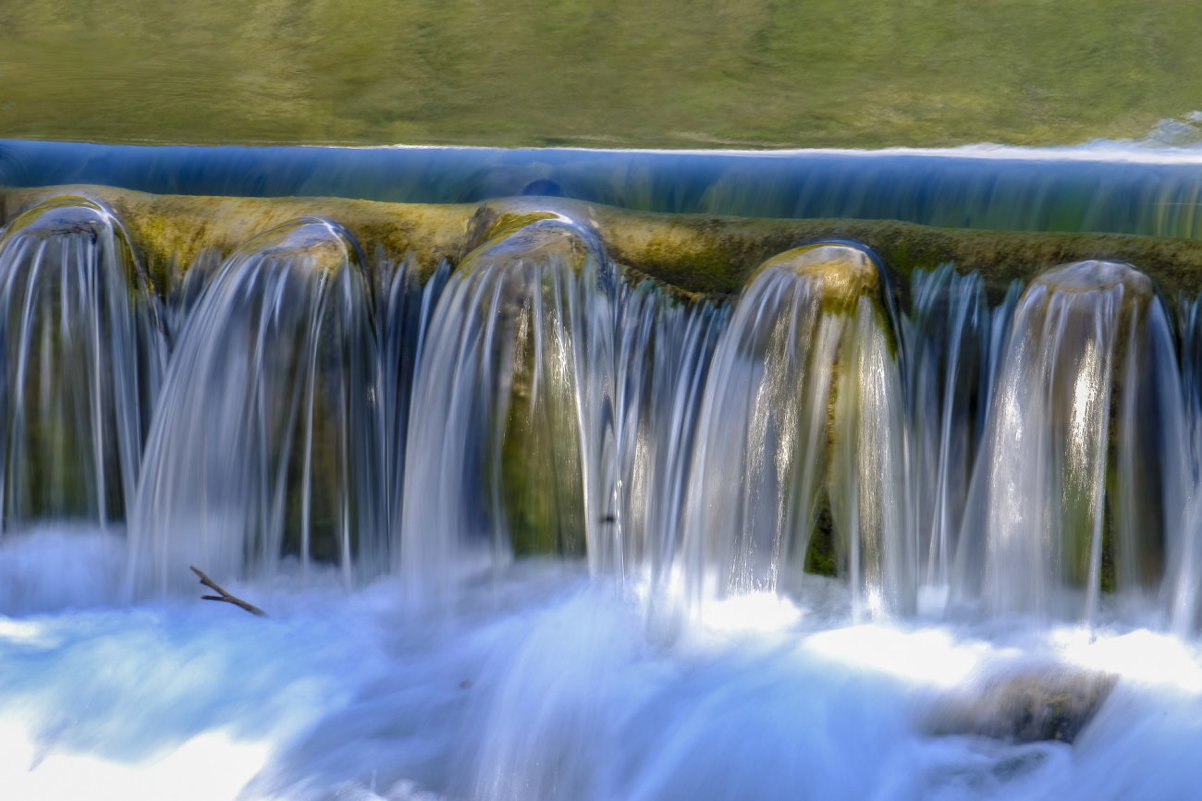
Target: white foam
(546,684)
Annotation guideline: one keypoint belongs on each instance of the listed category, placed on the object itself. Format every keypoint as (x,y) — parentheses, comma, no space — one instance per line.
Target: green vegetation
(662,73)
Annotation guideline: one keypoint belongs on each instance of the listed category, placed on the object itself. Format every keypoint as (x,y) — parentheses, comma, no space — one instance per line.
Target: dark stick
(222,595)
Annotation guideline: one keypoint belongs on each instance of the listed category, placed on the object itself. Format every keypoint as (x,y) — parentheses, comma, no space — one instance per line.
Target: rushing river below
(543,684)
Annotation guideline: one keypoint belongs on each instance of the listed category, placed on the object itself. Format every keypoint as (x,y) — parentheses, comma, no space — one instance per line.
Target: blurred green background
(624,73)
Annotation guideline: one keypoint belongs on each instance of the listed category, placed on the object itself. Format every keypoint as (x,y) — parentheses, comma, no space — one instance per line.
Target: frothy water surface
(543,684)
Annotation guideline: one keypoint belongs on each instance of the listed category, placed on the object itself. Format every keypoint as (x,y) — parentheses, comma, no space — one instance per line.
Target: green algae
(697,255)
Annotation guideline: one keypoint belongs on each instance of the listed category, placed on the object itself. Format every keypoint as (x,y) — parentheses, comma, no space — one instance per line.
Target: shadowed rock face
(1028,705)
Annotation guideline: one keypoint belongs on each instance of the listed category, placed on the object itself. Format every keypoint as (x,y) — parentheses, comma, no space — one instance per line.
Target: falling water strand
(1185,583)
(947,339)
(805,362)
(498,439)
(82,354)
(1071,485)
(270,396)
(662,358)
(408,304)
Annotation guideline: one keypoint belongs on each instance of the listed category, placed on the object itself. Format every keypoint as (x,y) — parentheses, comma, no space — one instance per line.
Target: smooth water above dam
(1117,189)
(535,518)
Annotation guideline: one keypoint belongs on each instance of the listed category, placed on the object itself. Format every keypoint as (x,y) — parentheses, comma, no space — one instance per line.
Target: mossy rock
(695,253)
(535,490)
(1025,705)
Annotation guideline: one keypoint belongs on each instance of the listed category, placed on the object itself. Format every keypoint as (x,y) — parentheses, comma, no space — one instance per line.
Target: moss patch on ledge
(170,232)
(716,255)
(697,254)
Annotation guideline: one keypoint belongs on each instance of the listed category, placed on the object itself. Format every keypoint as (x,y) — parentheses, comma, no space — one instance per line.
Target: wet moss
(507,223)
(170,232)
(697,254)
(822,553)
(542,495)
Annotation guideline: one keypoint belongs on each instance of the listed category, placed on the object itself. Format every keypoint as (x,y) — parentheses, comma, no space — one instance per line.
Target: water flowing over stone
(530,521)
(985,187)
(513,373)
(800,461)
(81,354)
(272,394)
(1036,455)
(1079,480)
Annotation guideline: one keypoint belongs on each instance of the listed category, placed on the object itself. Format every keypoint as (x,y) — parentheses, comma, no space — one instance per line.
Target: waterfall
(531,517)
(1079,480)
(930,441)
(272,393)
(498,462)
(82,354)
(799,464)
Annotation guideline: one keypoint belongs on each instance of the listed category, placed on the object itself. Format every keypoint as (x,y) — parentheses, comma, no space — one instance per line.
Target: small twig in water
(222,595)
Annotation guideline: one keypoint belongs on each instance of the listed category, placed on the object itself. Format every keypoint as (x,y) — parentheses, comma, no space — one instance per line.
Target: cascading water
(82,355)
(1140,191)
(272,394)
(507,470)
(800,457)
(1080,479)
(739,504)
(663,355)
(947,337)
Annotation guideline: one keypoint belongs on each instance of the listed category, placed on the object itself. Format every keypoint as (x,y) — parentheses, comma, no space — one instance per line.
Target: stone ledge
(697,254)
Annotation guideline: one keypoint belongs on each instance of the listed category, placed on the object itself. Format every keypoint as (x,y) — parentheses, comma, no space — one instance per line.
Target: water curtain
(930,441)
